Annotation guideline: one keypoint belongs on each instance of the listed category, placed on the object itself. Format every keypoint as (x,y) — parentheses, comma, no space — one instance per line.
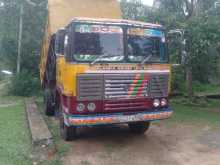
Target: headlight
(91,106)
(156,103)
(80,107)
(163,102)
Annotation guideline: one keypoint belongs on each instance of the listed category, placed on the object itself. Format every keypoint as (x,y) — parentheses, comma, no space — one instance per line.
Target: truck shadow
(107,132)
(119,136)
(118,142)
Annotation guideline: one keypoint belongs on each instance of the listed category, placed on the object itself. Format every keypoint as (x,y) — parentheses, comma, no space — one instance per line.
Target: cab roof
(116,22)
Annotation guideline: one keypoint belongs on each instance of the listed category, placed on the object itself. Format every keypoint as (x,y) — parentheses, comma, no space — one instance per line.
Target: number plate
(130,118)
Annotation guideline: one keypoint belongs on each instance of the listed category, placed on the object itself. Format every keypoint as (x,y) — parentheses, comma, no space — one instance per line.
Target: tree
(135,10)
(34,18)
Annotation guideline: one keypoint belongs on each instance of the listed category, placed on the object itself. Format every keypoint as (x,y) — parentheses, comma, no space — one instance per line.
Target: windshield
(146,45)
(98,41)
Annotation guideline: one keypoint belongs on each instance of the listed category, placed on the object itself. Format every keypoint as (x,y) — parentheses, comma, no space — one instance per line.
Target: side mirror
(177,47)
(59,42)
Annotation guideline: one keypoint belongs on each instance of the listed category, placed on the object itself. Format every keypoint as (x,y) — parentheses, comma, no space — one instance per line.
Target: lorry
(99,69)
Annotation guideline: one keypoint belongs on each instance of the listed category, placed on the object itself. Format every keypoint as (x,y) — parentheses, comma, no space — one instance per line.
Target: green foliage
(132,10)
(24,84)
(203,46)
(34,17)
(178,84)
(33,31)
(202,34)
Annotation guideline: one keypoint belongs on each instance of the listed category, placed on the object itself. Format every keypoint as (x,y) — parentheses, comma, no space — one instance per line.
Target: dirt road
(161,145)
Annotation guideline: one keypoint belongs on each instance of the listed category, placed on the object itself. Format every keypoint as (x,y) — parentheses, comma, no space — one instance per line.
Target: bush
(24,84)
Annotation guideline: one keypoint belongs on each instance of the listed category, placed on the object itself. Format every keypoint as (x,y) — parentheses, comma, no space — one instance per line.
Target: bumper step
(87,120)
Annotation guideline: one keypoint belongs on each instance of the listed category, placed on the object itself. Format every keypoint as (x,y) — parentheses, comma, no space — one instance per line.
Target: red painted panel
(109,106)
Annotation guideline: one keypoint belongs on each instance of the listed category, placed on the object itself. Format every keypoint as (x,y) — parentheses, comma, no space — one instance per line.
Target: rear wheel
(49,107)
(139,127)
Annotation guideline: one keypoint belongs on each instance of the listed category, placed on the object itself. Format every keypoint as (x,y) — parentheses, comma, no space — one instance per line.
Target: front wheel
(68,133)
(139,127)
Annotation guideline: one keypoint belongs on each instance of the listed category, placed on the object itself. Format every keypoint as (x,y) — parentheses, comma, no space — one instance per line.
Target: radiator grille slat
(90,87)
(122,86)
(159,85)
(128,105)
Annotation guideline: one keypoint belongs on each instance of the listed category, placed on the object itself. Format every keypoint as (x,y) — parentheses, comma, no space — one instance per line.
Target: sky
(148,2)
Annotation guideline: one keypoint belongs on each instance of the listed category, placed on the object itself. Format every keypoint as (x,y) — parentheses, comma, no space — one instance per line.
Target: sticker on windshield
(153,33)
(98,29)
(146,32)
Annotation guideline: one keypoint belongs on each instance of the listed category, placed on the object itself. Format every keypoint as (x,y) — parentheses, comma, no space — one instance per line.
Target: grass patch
(203,111)
(85,162)
(206,89)
(15,143)
(196,101)
(8,99)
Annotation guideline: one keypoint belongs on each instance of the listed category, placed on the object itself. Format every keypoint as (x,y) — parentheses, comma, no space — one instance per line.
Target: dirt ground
(163,144)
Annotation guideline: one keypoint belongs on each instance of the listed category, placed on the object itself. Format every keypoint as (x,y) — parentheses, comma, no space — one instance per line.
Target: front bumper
(103,119)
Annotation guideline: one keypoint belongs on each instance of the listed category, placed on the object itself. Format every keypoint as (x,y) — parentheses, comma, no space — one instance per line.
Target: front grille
(112,105)
(90,87)
(112,87)
(125,86)
(159,85)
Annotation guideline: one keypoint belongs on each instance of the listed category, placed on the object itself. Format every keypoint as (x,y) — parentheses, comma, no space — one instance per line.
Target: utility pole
(20,39)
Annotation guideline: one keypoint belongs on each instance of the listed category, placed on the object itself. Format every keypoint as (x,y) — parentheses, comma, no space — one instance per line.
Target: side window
(67,44)
(59,42)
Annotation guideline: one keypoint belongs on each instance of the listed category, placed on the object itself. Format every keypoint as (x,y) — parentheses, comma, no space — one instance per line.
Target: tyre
(139,127)
(49,107)
(68,133)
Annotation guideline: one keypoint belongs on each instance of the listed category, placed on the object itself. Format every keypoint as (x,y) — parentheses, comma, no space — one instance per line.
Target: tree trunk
(189,81)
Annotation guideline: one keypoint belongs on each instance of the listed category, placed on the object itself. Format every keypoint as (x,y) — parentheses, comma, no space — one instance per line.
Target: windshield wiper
(102,56)
(146,59)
